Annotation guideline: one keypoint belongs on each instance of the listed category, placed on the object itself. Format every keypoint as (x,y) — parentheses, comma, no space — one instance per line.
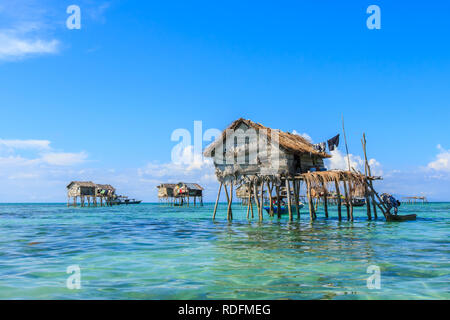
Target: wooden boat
(358,202)
(407,217)
(283,209)
(126,201)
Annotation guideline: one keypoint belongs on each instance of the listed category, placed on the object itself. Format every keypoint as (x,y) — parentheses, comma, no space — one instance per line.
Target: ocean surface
(149,251)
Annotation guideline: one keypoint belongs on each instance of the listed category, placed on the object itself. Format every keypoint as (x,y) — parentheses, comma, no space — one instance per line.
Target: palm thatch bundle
(320,181)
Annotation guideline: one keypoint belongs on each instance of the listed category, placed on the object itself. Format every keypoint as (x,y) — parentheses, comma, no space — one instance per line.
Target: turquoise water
(152,252)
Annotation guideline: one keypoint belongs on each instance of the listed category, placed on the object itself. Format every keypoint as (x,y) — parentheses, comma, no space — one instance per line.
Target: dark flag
(333,143)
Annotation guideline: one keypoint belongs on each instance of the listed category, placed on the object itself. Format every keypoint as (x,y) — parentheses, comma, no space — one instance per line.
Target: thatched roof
(105,187)
(191,186)
(167,185)
(81,184)
(292,143)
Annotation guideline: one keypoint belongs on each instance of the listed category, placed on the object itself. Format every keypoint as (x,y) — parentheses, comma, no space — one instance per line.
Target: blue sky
(101,103)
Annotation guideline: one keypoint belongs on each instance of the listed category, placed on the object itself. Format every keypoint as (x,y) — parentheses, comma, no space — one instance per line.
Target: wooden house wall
(258,159)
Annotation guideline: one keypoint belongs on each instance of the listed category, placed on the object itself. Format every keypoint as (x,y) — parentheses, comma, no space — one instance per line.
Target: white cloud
(442,162)
(304,135)
(64,158)
(189,165)
(14,46)
(339,161)
(25,144)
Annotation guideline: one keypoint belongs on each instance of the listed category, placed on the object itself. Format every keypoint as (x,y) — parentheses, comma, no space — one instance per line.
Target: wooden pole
(325,200)
(255,195)
(370,181)
(250,199)
(294,185)
(261,207)
(350,188)
(269,190)
(310,202)
(366,173)
(288,190)
(249,204)
(278,202)
(229,211)
(347,201)
(217,200)
(338,194)
(346,146)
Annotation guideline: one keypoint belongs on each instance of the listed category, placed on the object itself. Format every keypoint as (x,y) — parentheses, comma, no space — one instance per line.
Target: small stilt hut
(106,193)
(181,193)
(90,192)
(166,193)
(261,158)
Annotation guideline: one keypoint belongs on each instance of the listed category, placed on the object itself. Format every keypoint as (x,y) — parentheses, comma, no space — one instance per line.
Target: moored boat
(407,217)
(283,208)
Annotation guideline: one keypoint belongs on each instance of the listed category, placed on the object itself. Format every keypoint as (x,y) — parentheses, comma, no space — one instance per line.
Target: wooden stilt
(250,199)
(261,207)
(338,194)
(217,200)
(350,190)
(255,195)
(249,204)
(278,202)
(347,200)
(294,186)
(288,190)
(229,211)
(310,201)
(269,190)
(325,199)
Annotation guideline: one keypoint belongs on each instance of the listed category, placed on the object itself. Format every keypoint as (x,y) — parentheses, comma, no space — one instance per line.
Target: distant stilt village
(94,195)
(268,167)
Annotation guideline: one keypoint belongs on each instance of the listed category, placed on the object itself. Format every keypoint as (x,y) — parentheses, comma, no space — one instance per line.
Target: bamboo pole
(288,190)
(217,200)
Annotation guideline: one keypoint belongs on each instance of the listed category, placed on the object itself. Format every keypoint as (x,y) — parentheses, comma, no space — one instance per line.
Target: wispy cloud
(339,161)
(442,161)
(64,158)
(14,45)
(304,135)
(25,144)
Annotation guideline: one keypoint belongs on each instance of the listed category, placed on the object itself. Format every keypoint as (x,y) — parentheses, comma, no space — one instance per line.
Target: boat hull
(283,210)
(408,217)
